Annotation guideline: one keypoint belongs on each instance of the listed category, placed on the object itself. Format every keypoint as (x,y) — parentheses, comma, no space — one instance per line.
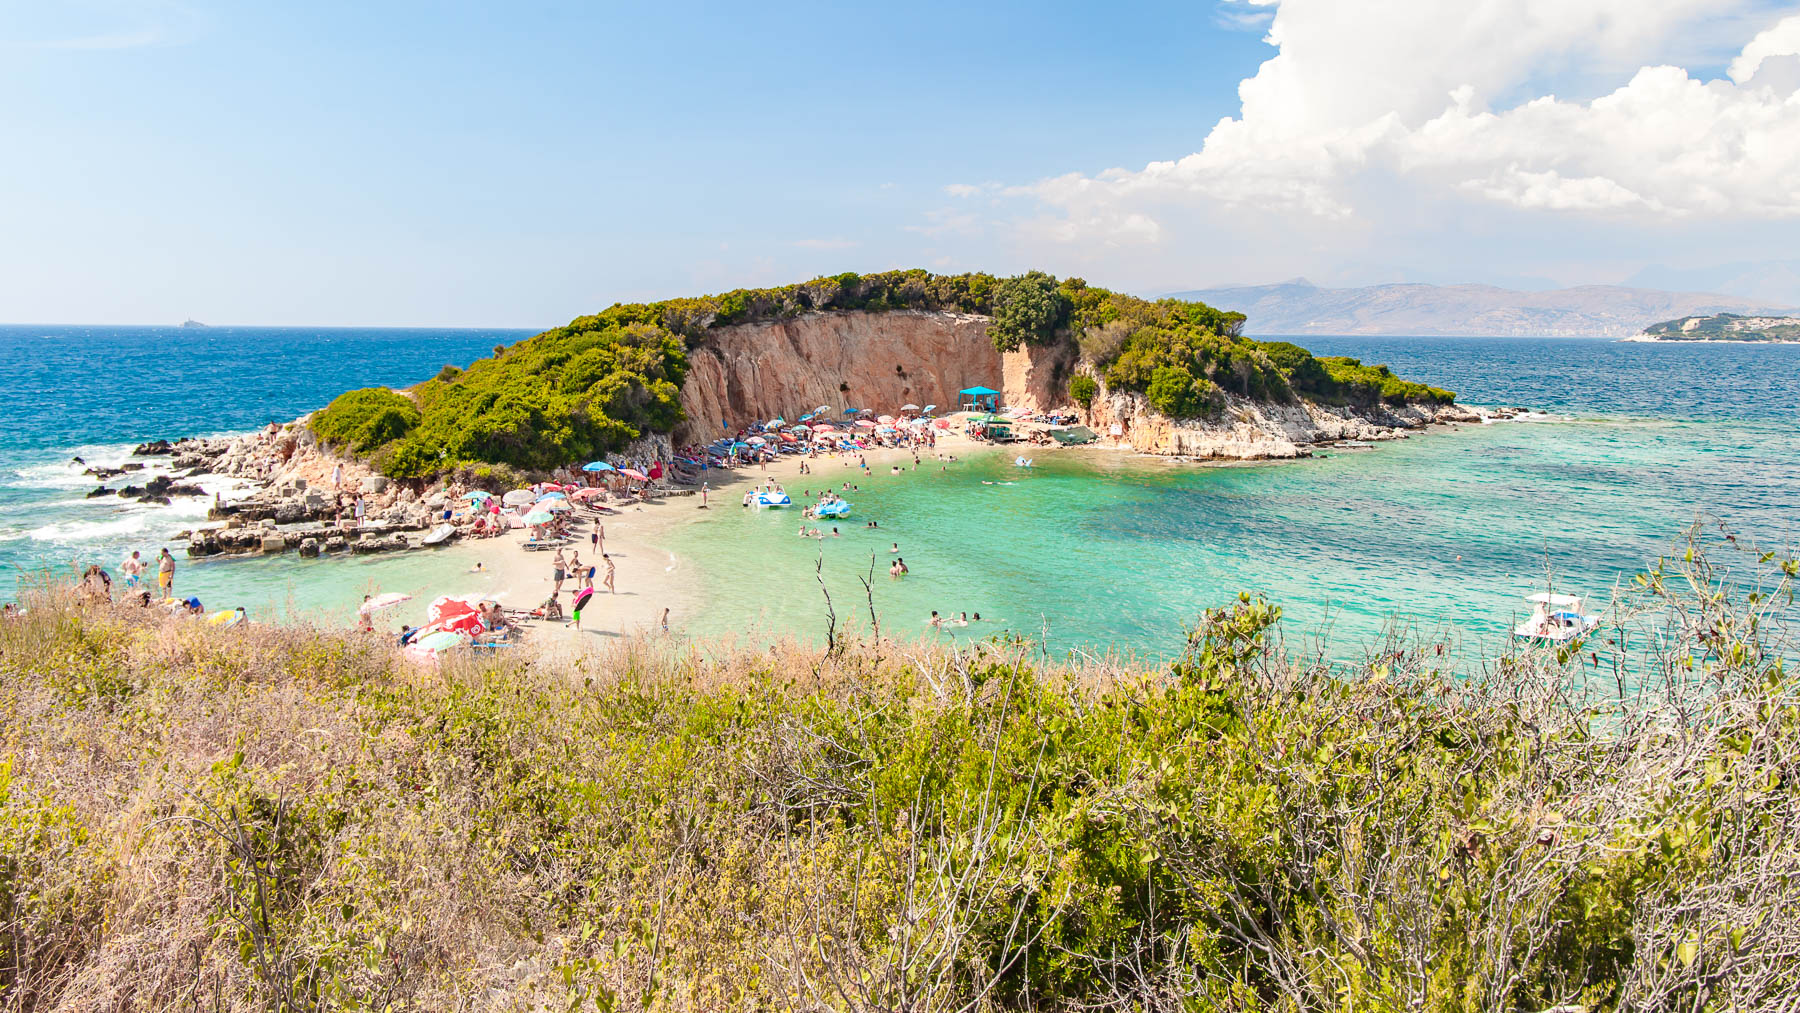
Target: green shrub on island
(322,824)
(365,420)
(580,391)
(1083,389)
(1179,394)
(1027,310)
(1368,384)
(570,394)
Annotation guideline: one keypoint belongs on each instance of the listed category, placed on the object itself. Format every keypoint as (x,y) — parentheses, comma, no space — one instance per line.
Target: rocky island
(1723,327)
(1171,378)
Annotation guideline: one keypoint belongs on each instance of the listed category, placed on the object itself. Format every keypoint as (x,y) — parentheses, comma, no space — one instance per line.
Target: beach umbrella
(776,422)
(448,606)
(756,441)
(865,423)
(468,622)
(596,466)
(633,473)
(885,419)
(383,601)
(587,493)
(539,517)
(551,495)
(849,411)
(821,408)
(909,407)
(478,495)
(441,640)
(803,418)
(942,423)
(555,505)
(789,438)
(519,497)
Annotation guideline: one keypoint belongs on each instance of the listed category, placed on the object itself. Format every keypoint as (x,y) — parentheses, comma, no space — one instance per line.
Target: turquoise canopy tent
(980,399)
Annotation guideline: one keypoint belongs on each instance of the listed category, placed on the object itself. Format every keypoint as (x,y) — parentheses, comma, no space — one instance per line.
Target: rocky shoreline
(304,498)
(1256,431)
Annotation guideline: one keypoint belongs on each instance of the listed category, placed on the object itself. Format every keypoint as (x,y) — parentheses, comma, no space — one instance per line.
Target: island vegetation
(281,819)
(602,381)
(1726,327)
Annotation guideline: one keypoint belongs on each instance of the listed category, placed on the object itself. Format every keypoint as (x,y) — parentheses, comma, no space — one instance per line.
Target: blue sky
(519,164)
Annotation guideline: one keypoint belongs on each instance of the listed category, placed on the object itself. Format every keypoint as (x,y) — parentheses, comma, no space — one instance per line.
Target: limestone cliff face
(747,372)
(855,360)
(1250,430)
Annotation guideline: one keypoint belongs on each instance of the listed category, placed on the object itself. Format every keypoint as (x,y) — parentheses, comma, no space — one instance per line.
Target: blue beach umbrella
(808,416)
(777,421)
(596,466)
(551,495)
(539,517)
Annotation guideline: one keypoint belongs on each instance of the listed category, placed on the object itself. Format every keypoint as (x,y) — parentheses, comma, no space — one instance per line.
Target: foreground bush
(285,819)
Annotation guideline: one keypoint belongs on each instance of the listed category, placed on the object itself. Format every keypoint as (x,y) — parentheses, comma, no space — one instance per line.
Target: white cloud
(1364,100)
(1781,40)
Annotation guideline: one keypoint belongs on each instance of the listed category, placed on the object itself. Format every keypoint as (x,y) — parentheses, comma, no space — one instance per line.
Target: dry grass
(293,819)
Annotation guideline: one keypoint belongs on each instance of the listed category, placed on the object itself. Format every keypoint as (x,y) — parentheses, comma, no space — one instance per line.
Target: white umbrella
(519,497)
(756,441)
(383,601)
(555,505)
(909,407)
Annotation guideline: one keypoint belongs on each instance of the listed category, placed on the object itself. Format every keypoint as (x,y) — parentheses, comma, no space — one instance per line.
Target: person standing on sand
(165,573)
(557,564)
(594,539)
(610,569)
(600,538)
(575,570)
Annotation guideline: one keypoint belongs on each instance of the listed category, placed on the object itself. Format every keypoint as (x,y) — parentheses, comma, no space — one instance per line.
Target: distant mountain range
(1611,311)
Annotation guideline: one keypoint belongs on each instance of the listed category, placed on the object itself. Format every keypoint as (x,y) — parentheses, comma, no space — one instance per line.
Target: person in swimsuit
(165,573)
(609,576)
(557,564)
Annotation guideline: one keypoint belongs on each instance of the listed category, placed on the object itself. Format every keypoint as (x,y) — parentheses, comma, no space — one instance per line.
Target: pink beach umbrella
(865,424)
(633,473)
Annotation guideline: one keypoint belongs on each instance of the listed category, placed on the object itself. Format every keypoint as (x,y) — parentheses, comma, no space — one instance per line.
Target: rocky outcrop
(747,372)
(1251,430)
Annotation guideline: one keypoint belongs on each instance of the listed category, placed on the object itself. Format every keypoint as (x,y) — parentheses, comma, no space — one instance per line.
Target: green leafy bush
(1027,310)
(1368,384)
(1083,389)
(363,420)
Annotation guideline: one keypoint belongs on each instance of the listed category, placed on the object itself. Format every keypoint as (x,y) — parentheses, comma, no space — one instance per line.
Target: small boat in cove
(440,534)
(1555,619)
(832,509)
(774,497)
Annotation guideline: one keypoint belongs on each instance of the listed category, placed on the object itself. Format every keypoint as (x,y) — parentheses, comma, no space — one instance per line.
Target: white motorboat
(440,534)
(1555,619)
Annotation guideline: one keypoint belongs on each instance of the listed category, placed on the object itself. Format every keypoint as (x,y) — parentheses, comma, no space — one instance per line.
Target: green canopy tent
(979,399)
(993,427)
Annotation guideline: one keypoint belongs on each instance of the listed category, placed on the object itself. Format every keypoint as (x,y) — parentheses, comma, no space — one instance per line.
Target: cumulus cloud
(1456,99)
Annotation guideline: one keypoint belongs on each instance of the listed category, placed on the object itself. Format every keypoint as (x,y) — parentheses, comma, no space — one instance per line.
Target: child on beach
(609,576)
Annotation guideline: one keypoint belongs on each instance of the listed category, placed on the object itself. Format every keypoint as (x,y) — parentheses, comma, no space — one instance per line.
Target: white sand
(648,578)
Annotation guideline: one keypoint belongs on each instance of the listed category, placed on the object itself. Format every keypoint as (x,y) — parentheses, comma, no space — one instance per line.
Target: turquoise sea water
(1103,551)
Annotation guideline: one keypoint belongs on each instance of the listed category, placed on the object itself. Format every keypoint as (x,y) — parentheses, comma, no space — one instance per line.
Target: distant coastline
(1724,328)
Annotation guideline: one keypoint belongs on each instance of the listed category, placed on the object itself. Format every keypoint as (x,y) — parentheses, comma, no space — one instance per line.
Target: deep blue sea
(1115,552)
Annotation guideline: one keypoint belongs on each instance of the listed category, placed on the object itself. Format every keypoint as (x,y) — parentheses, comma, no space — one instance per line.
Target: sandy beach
(648,577)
